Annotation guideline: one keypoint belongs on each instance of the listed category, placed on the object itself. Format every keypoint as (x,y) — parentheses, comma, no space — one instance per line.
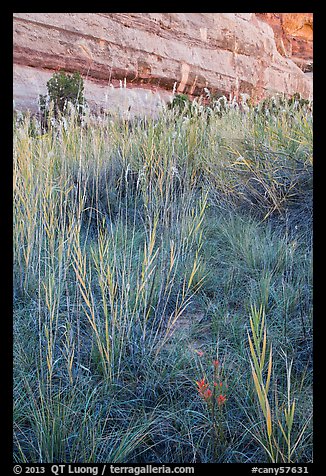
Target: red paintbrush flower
(203,389)
(207,395)
(221,399)
(201,384)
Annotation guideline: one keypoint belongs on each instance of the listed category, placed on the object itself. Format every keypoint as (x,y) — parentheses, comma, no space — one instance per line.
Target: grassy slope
(135,248)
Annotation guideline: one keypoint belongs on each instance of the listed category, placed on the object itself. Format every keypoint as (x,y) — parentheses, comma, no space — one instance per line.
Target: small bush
(181,103)
(62,89)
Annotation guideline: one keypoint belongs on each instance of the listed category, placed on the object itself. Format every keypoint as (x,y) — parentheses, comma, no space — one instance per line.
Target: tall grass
(137,244)
(279,443)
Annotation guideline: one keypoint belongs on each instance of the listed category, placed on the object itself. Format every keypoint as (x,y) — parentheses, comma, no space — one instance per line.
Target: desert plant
(135,245)
(279,439)
(181,104)
(63,88)
(212,389)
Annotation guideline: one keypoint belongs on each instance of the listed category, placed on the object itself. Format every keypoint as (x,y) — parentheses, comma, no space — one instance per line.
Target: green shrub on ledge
(63,88)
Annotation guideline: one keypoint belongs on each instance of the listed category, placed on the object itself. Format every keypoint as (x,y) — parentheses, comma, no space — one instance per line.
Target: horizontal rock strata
(151,55)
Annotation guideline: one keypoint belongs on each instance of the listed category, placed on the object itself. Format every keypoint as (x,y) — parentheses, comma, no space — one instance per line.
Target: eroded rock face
(293,36)
(152,52)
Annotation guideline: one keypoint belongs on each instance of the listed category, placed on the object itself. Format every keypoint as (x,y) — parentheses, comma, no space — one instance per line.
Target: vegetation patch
(163,283)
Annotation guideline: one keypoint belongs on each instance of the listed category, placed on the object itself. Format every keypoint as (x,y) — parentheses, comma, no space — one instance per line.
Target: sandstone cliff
(293,35)
(149,54)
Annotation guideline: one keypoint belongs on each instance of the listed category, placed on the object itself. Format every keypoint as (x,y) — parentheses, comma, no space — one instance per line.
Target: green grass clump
(144,253)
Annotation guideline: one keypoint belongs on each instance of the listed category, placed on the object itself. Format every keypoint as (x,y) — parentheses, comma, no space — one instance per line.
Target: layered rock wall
(293,36)
(129,56)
